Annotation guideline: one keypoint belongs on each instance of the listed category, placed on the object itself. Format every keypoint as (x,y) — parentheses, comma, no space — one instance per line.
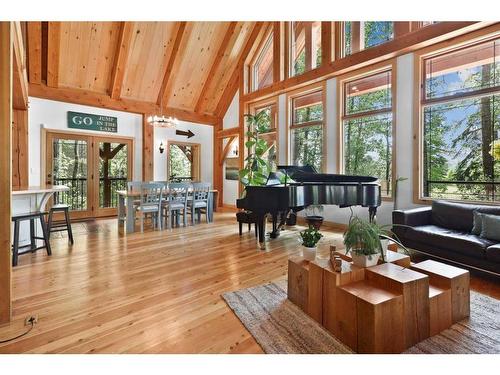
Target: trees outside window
(367,128)
(270,135)
(460,107)
(306,129)
(305,46)
(183,162)
(365,34)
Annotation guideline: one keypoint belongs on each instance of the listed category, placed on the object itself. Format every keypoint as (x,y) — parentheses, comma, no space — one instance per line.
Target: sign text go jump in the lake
(87,121)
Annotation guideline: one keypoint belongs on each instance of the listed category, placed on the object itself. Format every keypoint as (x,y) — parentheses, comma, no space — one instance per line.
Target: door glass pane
(180,162)
(113,172)
(69,167)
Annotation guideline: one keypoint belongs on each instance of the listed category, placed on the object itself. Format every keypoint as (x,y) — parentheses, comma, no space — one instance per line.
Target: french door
(93,167)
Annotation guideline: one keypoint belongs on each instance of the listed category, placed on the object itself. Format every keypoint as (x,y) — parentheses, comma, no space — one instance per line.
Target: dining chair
(176,202)
(200,200)
(150,203)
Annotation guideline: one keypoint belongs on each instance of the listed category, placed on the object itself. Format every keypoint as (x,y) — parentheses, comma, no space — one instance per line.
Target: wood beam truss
(121,58)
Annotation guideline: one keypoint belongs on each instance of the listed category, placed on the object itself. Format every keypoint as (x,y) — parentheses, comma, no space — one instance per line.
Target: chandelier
(163,121)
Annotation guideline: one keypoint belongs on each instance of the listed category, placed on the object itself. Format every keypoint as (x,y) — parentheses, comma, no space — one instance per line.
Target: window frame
(419,103)
(255,106)
(390,65)
(196,163)
(290,45)
(290,96)
(341,39)
(267,41)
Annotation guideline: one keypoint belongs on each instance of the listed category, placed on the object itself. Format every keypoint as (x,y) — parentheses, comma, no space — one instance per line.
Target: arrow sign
(188,134)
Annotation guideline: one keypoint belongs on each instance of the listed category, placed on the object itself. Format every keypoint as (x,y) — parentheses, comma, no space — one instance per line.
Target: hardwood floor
(157,292)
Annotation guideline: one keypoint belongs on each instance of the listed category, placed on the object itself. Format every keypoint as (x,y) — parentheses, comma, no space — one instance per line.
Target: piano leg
(372,214)
(261,223)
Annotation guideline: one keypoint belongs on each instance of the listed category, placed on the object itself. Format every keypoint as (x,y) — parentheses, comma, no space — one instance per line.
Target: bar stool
(63,225)
(32,217)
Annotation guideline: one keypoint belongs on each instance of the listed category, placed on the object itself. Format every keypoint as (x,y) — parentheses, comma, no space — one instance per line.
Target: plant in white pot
(310,238)
(367,241)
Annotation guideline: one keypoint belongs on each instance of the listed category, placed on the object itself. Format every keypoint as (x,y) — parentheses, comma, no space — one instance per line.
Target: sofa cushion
(452,240)
(490,227)
(493,253)
(458,216)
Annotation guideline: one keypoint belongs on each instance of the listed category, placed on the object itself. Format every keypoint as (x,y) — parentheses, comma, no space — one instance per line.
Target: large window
(367,127)
(361,35)
(261,68)
(270,108)
(306,129)
(460,104)
(305,46)
(183,162)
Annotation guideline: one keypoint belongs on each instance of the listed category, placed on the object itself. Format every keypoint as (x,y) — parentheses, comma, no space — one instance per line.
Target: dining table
(126,209)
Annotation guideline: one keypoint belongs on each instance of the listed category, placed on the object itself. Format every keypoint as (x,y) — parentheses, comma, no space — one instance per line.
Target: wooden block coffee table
(382,309)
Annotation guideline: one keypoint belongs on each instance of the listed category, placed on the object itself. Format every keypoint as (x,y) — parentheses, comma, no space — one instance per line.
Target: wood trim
(229,132)
(218,182)
(196,164)
(413,41)
(121,58)
(216,64)
(351,76)
(35,52)
(147,149)
(459,42)
(338,40)
(278,35)
(401,28)
(5,170)
(327,29)
(226,150)
(20,149)
(166,83)
(20,77)
(243,108)
(105,101)
(53,47)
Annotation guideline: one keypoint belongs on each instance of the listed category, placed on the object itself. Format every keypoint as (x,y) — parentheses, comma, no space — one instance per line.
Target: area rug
(280,327)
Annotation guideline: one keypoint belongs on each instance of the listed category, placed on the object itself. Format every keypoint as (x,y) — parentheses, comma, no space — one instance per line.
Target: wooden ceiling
(183,66)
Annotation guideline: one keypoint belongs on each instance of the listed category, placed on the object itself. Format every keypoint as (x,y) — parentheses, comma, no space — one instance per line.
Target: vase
(309,253)
(364,261)
(314,221)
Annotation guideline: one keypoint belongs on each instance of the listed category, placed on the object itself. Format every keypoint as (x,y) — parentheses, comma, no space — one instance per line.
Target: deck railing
(463,190)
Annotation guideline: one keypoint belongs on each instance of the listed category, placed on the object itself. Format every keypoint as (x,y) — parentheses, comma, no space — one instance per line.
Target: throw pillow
(490,227)
(477,227)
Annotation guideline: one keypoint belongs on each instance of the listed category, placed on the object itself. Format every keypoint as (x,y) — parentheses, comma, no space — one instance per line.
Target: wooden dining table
(126,210)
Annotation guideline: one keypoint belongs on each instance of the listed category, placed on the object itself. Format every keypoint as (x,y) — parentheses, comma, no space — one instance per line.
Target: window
(183,162)
(361,35)
(270,135)
(305,46)
(460,116)
(306,129)
(367,127)
(261,69)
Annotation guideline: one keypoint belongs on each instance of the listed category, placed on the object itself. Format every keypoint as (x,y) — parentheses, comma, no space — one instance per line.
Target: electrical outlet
(31,318)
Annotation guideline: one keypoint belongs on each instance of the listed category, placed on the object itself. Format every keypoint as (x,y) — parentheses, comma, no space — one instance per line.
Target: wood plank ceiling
(183,66)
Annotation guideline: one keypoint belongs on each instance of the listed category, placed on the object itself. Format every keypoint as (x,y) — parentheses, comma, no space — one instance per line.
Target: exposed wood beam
(226,149)
(20,78)
(401,28)
(163,94)
(5,170)
(278,49)
(217,170)
(105,101)
(218,58)
(233,84)
(53,51)
(35,52)
(326,42)
(20,149)
(121,57)
(410,42)
(147,149)
(229,132)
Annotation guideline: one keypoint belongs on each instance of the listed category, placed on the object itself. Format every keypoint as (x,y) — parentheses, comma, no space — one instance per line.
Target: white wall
(230,120)
(53,115)
(203,134)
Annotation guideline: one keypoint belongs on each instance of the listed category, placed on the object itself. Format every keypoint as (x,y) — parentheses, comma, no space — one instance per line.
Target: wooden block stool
(32,217)
(455,279)
(64,225)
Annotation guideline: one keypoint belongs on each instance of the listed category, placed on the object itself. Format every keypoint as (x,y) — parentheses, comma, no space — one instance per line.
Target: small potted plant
(365,241)
(310,238)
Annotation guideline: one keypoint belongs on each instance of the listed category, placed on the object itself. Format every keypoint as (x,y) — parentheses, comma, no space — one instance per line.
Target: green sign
(87,121)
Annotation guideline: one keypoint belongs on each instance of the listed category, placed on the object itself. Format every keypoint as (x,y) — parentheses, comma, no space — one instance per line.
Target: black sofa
(443,231)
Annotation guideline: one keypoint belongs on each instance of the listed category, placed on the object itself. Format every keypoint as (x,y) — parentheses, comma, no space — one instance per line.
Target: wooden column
(278,47)
(147,150)
(217,166)
(308,45)
(19,149)
(5,169)
(326,42)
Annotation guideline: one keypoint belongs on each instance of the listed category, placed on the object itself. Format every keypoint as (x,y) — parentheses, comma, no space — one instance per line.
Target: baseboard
(337,227)
(230,207)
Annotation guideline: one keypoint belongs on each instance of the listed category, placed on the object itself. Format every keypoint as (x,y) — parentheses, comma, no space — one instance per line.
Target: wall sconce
(161,148)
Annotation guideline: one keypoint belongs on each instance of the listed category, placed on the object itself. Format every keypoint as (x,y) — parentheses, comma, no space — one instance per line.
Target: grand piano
(299,187)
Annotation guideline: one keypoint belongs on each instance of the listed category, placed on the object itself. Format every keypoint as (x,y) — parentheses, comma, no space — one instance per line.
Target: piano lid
(307,174)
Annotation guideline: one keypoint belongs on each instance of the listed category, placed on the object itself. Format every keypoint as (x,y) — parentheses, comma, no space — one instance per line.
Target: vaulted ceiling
(184,66)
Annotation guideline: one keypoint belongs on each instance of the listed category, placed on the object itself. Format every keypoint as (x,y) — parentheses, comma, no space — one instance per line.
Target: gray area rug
(280,327)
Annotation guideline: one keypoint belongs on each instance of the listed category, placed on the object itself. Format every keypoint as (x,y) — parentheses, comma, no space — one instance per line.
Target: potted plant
(310,238)
(364,240)
(314,215)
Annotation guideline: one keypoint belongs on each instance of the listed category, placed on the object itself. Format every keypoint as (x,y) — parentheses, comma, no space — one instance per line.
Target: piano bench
(246,217)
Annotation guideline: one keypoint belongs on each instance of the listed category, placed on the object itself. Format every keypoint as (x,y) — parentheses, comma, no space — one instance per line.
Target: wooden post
(308,45)
(217,166)
(5,170)
(19,149)
(147,149)
(326,42)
